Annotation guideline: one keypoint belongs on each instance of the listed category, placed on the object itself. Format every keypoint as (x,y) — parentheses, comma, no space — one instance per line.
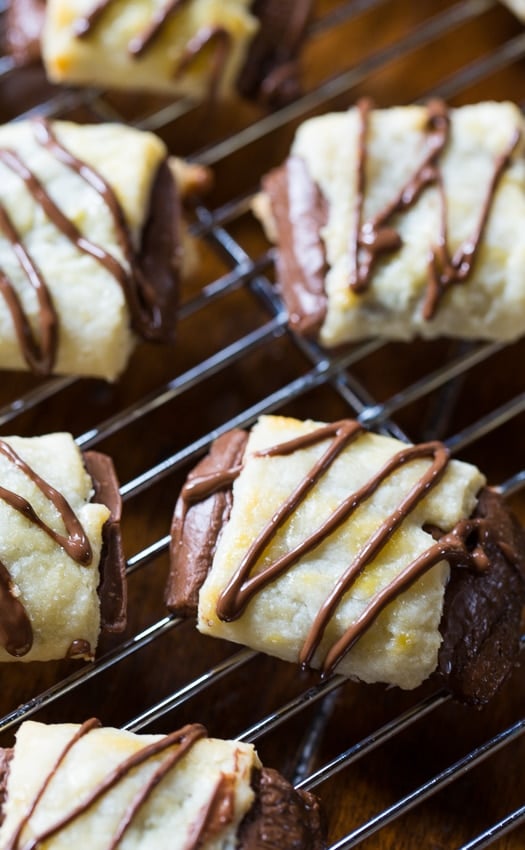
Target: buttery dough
(169,816)
(401,647)
(102,57)
(490,303)
(95,337)
(58,594)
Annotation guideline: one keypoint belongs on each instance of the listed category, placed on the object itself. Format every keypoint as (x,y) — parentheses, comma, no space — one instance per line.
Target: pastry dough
(51,538)
(77,255)
(202,48)
(106,55)
(208,787)
(402,222)
(332,547)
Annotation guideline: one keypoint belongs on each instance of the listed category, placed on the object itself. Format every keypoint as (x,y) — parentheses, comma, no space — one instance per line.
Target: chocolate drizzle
(144,40)
(141,42)
(39,356)
(465,545)
(15,628)
(375,237)
(181,741)
(149,308)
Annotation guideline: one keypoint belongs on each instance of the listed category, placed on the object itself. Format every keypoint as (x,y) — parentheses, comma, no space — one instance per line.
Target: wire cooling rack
(393,769)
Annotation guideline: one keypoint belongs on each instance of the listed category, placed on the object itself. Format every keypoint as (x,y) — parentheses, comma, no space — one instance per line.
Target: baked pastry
(90,246)
(339,549)
(402,222)
(62,570)
(199,48)
(85,785)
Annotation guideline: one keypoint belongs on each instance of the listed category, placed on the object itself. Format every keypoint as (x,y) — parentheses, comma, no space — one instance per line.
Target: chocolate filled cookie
(100,787)
(199,48)
(92,246)
(342,550)
(402,223)
(62,569)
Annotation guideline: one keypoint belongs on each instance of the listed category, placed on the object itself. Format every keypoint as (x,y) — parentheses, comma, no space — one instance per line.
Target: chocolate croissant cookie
(62,569)
(402,222)
(342,550)
(88,786)
(92,247)
(191,47)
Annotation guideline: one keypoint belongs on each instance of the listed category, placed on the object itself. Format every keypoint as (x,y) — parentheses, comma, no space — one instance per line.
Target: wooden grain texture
(394,52)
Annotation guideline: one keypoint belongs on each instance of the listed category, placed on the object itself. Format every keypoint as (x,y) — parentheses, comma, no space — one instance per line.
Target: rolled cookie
(62,570)
(199,48)
(90,246)
(339,549)
(402,222)
(91,786)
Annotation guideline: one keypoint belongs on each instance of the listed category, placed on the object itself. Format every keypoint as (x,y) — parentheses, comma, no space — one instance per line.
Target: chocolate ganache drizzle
(175,746)
(143,41)
(15,628)
(463,546)
(374,237)
(140,296)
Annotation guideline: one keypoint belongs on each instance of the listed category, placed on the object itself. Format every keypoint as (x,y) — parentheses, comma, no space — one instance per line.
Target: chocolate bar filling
(112,590)
(486,552)
(300,212)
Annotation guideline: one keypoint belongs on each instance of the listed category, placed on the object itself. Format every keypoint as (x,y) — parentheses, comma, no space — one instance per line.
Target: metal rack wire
(427,401)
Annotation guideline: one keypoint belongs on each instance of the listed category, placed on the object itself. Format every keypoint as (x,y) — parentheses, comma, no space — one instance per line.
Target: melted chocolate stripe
(139,291)
(15,628)
(140,296)
(16,634)
(377,542)
(458,268)
(467,544)
(76,542)
(237,593)
(46,137)
(143,40)
(83,730)
(83,26)
(12,161)
(185,738)
(223,45)
(39,357)
(372,238)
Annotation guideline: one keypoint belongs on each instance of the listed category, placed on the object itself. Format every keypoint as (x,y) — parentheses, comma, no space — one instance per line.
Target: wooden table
(395,52)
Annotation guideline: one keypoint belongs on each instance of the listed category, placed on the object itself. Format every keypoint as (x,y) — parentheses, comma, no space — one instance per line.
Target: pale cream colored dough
(102,57)
(490,304)
(59,595)
(95,337)
(167,817)
(401,647)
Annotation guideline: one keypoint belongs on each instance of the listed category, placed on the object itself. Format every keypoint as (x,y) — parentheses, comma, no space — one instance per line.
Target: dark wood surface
(379,45)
